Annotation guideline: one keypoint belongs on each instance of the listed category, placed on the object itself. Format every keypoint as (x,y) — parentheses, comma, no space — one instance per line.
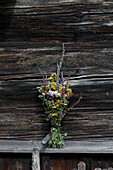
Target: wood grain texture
(50,2)
(73,161)
(31,38)
(35,159)
(67,161)
(91,146)
(15,162)
(102,161)
(60,22)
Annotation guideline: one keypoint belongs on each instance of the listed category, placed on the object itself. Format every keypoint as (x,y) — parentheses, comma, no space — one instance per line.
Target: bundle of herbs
(55,94)
(55,98)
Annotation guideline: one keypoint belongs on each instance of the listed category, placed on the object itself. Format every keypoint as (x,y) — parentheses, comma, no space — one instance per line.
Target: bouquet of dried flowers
(55,98)
(55,94)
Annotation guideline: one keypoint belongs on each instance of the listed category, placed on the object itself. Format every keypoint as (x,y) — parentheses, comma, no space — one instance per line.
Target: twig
(60,64)
(43,79)
(68,109)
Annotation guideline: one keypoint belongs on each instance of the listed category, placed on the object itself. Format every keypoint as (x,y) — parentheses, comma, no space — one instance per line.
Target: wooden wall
(72,161)
(15,161)
(31,37)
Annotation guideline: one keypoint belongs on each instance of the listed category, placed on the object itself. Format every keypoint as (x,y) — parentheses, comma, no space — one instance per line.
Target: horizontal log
(61,22)
(21,112)
(22,57)
(49,2)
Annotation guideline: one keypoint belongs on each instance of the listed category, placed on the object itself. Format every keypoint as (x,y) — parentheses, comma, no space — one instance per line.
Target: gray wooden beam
(14,146)
(83,147)
(70,147)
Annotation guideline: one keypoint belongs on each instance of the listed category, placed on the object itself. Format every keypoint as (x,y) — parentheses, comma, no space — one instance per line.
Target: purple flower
(67,102)
(52,101)
(57,86)
(47,95)
(60,108)
(49,116)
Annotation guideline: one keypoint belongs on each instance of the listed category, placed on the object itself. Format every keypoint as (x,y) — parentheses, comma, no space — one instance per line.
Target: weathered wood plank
(62,22)
(19,146)
(31,36)
(81,166)
(21,111)
(15,161)
(89,146)
(66,161)
(45,162)
(35,159)
(102,161)
(42,2)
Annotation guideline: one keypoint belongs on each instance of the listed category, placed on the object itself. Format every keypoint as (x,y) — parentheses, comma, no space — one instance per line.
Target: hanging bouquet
(55,98)
(55,94)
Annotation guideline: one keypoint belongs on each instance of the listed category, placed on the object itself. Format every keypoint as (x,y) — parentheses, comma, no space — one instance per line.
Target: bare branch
(60,64)
(68,109)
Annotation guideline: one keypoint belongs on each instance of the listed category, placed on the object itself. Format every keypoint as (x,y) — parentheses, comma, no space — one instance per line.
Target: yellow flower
(58,101)
(51,79)
(57,105)
(53,75)
(54,114)
(67,87)
(68,93)
(59,91)
(54,86)
(60,86)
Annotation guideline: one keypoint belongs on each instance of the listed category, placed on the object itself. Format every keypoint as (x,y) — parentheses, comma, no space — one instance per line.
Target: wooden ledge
(14,146)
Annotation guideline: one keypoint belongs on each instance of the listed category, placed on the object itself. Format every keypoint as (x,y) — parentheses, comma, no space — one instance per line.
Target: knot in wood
(79,13)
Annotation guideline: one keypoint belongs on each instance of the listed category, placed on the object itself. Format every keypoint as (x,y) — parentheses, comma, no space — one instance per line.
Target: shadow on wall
(6,10)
